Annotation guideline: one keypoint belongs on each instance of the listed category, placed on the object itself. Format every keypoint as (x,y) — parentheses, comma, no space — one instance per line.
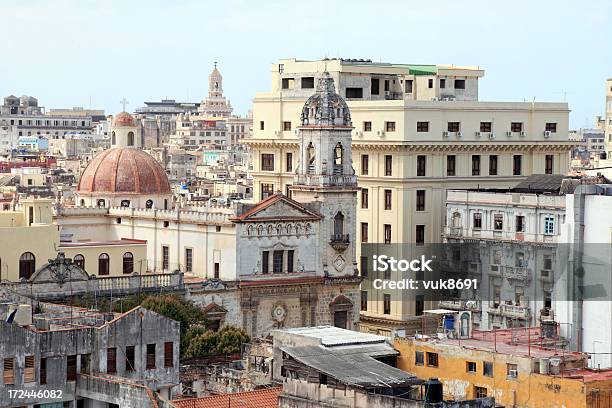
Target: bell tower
(325,177)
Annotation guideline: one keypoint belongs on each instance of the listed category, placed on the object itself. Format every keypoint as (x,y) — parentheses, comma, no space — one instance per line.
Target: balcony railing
(521,312)
(326,180)
(517,273)
(457,304)
(339,241)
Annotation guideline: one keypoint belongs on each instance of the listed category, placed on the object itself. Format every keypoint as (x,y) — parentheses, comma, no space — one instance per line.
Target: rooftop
(334,336)
(118,242)
(264,398)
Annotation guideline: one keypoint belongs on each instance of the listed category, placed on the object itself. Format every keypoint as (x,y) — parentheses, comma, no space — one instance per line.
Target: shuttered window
(29,375)
(169,354)
(9,371)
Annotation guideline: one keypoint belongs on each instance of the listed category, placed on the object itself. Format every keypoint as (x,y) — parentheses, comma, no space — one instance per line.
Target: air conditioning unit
(277,133)
(512,373)
(458,134)
(358,133)
(445,134)
(387,93)
(508,133)
(380,133)
(522,133)
(477,134)
(547,133)
(491,135)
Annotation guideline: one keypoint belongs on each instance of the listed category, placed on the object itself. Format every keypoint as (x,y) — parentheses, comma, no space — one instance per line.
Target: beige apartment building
(419,130)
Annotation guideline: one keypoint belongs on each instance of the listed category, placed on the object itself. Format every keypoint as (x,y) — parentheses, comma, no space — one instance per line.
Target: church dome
(326,107)
(124,171)
(124,119)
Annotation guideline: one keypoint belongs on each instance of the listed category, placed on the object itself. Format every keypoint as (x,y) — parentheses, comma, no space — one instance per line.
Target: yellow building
(29,239)
(518,375)
(419,130)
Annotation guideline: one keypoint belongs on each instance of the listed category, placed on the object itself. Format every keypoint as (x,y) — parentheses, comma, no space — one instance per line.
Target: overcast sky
(68,53)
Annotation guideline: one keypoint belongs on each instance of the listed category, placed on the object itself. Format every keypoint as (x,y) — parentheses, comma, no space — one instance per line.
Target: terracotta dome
(124,171)
(124,119)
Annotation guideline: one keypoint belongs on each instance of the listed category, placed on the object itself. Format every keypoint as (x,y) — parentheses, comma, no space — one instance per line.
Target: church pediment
(60,271)
(278,208)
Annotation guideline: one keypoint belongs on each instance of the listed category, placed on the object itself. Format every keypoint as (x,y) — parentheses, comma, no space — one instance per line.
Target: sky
(94,53)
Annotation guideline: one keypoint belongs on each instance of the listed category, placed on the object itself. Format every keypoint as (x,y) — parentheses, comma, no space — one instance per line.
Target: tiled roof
(264,398)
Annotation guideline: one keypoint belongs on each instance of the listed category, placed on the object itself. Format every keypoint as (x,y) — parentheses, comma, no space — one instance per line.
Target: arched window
(456,219)
(149,204)
(338,154)
(103,268)
(130,140)
(339,224)
(311,158)
(27,265)
(79,260)
(101,203)
(82,203)
(125,203)
(113,138)
(128,263)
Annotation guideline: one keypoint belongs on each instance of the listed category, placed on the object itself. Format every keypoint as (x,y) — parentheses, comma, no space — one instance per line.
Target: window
(365,164)
(390,126)
(419,304)
(387,233)
(485,127)
(364,232)
(42,371)
(128,263)
(388,198)
(547,262)
(29,375)
(9,371)
(517,164)
(422,126)
(520,223)
(470,367)
(364,266)
(450,165)
(549,225)
(421,164)
(420,200)
(130,360)
(111,360)
(375,86)
(130,139)
(354,93)
(168,354)
(188,259)
(547,299)
(367,126)
(290,255)
(289,162)
(408,86)
(267,162)
(71,368)
(475,165)
(267,190)
(339,224)
(420,235)
(498,222)
(477,221)
(103,265)
(548,166)
(512,370)
(216,270)
(287,83)
(79,260)
(150,356)
(419,358)
(442,83)
(386,304)
(166,224)
(480,392)
(265,260)
(261,125)
(432,359)
(493,165)
(487,369)
(364,300)
(364,198)
(551,127)
(459,83)
(27,265)
(277,262)
(453,126)
(430,83)
(165,257)
(388,165)
(516,127)
(307,82)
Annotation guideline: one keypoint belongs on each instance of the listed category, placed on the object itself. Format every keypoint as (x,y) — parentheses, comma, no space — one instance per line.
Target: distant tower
(326,177)
(215,105)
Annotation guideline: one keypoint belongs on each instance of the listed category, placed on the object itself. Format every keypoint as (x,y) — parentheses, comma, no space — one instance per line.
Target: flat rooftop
(334,336)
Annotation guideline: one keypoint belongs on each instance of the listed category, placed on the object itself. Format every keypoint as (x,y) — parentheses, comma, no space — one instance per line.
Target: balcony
(473,305)
(515,311)
(325,180)
(547,275)
(339,241)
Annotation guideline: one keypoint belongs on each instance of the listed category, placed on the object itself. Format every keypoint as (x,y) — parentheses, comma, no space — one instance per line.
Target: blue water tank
(449,322)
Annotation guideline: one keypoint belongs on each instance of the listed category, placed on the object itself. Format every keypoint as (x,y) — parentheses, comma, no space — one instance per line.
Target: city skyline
(164,51)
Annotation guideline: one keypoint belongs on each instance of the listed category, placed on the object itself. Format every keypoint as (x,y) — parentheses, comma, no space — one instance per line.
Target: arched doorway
(27,265)
(128,263)
(103,265)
